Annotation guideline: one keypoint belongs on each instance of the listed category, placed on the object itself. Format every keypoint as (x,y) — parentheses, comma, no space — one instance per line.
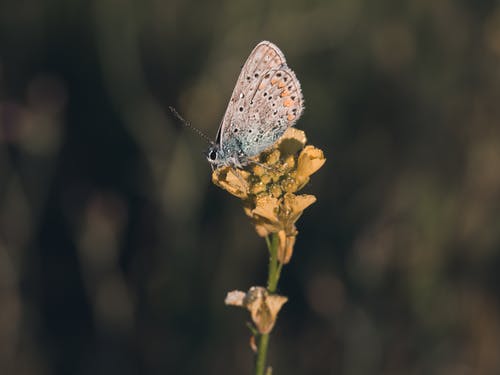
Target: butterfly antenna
(188,125)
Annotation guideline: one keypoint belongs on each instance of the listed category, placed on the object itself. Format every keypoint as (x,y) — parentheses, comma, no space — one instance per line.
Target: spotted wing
(266,100)
(275,106)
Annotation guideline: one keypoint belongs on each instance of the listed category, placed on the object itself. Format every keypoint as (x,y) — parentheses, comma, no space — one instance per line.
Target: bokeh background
(116,251)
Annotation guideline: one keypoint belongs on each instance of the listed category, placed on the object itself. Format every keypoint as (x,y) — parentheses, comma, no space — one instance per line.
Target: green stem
(274,265)
(260,364)
(272,284)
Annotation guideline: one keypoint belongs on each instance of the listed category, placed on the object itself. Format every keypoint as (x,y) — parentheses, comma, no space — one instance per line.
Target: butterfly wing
(266,100)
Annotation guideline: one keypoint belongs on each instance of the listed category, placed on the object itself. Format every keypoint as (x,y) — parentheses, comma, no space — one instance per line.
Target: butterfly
(266,101)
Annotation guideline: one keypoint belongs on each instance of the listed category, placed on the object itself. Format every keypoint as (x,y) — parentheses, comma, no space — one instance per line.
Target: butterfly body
(267,100)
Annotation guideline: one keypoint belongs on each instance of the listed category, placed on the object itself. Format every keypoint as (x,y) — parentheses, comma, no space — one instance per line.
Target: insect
(266,101)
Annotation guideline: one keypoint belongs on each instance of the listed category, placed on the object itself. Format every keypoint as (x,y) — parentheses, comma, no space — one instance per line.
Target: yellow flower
(269,184)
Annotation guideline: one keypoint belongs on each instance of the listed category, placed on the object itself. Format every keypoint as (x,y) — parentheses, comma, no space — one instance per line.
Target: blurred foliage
(116,252)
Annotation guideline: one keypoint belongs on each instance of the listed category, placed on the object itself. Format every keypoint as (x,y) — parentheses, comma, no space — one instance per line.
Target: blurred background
(116,251)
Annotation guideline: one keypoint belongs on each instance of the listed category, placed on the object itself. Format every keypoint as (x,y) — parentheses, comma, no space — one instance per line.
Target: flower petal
(310,160)
(294,205)
(285,249)
(235,181)
(291,142)
(266,206)
(235,298)
(263,307)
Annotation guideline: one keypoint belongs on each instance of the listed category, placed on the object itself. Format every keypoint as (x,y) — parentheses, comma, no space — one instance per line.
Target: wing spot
(265,94)
(278,74)
(256,75)
(241,109)
(285,78)
(287,103)
(293,97)
(235,130)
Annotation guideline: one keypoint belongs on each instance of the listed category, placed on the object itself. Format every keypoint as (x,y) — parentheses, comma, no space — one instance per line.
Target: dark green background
(116,251)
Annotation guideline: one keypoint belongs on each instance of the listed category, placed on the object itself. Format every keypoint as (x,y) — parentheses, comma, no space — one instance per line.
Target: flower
(268,187)
(263,306)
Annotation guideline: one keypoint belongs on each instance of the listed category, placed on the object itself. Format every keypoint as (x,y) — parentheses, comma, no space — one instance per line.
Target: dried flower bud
(263,307)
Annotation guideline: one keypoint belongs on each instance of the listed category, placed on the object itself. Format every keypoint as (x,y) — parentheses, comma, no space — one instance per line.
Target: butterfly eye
(212,155)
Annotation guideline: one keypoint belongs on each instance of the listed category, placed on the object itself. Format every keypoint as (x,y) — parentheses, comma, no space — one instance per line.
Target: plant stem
(272,284)
(260,364)
(274,265)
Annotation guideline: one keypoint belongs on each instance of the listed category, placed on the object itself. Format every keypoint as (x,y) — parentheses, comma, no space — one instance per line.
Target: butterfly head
(212,154)
(215,156)
(218,158)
